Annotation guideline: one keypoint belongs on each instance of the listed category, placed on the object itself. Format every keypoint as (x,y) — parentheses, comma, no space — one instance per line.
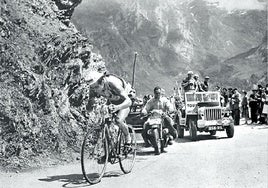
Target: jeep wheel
(193,129)
(230,131)
(212,133)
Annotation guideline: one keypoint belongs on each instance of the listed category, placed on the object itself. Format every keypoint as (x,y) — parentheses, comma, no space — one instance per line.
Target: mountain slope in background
(251,63)
(170,37)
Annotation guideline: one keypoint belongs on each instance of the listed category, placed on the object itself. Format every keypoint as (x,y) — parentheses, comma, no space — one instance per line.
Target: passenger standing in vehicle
(188,82)
(205,85)
(197,84)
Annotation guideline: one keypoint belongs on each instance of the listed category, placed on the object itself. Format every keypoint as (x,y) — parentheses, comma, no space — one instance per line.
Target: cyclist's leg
(120,120)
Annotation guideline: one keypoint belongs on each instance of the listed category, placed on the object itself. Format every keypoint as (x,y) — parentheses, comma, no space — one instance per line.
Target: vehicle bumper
(221,124)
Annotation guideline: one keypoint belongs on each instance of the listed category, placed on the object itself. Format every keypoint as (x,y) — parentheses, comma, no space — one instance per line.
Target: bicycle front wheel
(127,159)
(94,155)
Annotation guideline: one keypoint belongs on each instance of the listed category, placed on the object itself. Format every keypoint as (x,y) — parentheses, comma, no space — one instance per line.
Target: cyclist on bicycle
(116,91)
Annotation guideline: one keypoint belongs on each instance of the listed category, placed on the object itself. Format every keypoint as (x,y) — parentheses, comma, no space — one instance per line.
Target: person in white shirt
(159,103)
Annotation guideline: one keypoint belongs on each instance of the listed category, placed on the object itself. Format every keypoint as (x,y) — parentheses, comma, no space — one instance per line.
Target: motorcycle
(157,133)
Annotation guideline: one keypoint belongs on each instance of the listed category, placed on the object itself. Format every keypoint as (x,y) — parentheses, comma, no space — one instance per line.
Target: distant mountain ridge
(171,38)
(250,67)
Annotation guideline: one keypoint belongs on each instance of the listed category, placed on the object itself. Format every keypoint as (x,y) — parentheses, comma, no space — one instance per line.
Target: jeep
(202,111)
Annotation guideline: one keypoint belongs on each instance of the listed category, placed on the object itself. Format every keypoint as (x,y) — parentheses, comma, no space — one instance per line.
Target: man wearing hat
(116,91)
(205,85)
(253,104)
(188,82)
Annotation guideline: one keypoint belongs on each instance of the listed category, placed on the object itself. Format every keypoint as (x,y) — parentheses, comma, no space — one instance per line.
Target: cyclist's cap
(92,77)
(207,77)
(190,72)
(196,76)
(255,88)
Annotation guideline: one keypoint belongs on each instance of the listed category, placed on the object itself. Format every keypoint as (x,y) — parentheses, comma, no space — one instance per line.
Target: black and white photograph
(133,94)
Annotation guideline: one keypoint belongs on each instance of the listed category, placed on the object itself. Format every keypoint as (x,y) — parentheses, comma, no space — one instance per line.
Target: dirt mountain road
(213,161)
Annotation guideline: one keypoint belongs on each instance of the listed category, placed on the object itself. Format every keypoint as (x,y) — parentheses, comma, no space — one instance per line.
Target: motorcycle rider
(159,103)
(205,85)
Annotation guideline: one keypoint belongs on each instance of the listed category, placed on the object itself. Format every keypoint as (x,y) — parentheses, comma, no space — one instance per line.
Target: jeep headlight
(226,114)
(201,111)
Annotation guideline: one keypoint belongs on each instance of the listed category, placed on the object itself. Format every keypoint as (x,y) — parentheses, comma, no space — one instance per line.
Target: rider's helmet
(91,77)
(190,73)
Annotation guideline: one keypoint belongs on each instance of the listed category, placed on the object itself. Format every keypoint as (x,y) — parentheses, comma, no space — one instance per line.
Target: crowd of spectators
(245,105)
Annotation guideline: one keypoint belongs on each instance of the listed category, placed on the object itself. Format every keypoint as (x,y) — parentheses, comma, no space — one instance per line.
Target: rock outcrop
(42,113)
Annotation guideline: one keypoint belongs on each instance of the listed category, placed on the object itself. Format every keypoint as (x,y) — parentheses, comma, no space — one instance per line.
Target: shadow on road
(70,180)
(143,153)
(77,180)
(187,139)
(257,126)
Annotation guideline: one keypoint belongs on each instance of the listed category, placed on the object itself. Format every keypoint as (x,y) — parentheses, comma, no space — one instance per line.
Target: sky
(241,4)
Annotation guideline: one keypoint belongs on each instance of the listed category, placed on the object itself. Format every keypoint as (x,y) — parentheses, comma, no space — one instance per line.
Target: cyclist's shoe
(127,148)
(101,160)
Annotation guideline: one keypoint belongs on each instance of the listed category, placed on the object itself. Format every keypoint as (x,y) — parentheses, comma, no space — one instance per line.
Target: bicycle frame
(113,147)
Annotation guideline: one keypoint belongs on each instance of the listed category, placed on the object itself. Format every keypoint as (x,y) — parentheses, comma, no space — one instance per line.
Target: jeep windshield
(202,97)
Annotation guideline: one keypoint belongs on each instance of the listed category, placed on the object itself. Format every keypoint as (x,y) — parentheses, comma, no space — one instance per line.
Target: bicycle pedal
(127,149)
(101,160)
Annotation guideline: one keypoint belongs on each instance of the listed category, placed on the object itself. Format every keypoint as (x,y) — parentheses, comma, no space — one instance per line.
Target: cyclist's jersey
(112,93)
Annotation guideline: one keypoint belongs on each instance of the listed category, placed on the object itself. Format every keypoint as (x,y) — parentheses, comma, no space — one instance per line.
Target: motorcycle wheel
(156,141)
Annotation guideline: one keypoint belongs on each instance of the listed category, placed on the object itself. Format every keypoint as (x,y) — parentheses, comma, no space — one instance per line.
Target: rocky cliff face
(171,37)
(39,114)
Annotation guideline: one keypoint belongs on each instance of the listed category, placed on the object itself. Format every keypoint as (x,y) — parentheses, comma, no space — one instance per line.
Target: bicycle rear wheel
(127,159)
(94,155)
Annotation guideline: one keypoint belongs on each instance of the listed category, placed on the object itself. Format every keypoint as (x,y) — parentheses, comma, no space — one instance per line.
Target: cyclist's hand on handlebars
(164,114)
(113,108)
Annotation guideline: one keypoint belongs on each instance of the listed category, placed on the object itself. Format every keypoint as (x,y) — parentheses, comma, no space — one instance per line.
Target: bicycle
(104,144)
